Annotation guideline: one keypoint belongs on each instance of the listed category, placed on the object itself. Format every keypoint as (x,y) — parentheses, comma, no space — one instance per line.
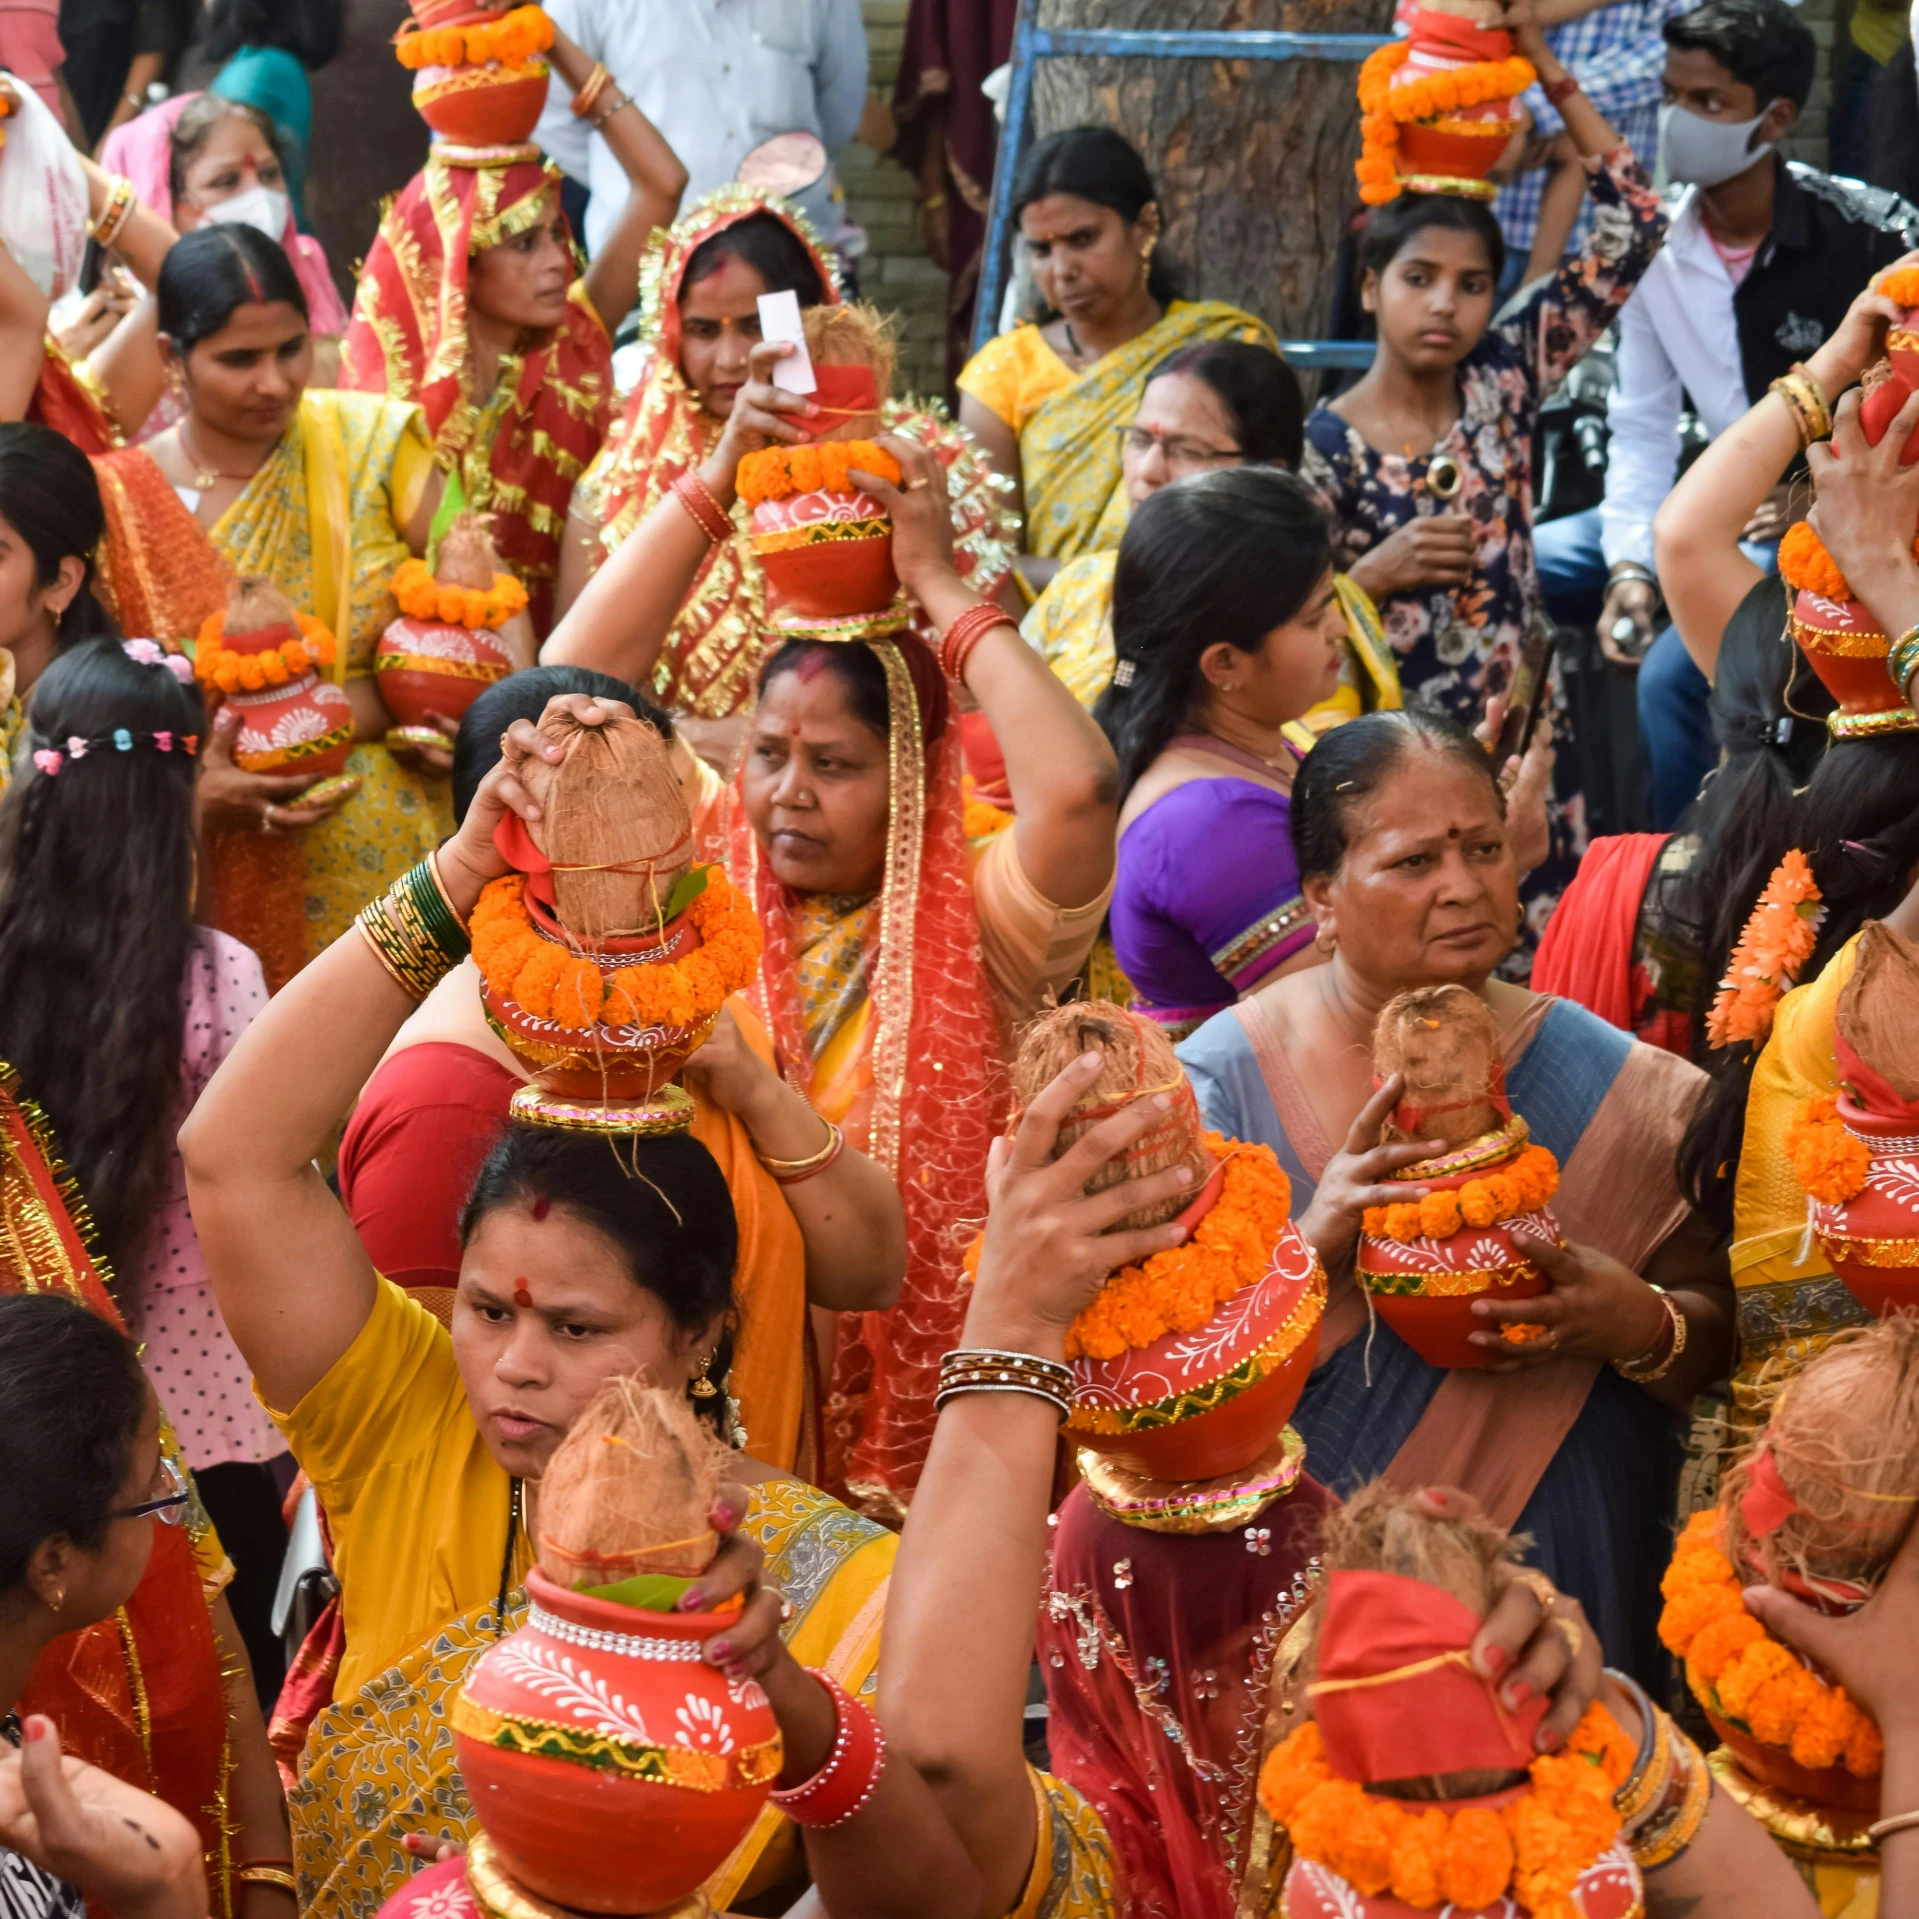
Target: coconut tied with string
(1423,1262)
(824,544)
(1818,1505)
(1187,1366)
(611,1769)
(445,649)
(607,953)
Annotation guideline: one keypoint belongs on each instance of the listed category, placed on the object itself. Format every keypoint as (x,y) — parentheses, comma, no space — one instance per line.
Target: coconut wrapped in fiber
(1444,1042)
(1825,1496)
(614,822)
(255,605)
(630,1492)
(467,555)
(1878,1011)
(852,334)
(1139,1062)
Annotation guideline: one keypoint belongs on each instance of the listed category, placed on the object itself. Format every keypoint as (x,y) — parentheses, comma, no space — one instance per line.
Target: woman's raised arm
(1059,765)
(292,1279)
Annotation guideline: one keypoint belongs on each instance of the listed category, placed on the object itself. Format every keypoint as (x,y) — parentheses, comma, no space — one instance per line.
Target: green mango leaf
(690,885)
(650,1592)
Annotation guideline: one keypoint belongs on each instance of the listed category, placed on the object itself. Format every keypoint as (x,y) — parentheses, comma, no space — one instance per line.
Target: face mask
(258,207)
(1705,153)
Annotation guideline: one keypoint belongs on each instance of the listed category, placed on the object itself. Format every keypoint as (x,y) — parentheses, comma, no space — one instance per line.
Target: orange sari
(139,1694)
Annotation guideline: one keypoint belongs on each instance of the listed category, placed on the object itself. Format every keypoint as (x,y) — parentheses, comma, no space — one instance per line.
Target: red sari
(139,1694)
(519,455)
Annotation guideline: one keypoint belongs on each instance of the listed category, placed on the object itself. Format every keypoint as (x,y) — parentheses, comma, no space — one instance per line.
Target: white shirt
(1677,335)
(717,77)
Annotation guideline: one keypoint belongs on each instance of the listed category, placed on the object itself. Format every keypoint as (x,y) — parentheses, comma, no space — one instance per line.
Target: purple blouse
(1207,900)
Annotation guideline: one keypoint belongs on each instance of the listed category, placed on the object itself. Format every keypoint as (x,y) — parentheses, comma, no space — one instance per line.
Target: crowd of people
(1098,863)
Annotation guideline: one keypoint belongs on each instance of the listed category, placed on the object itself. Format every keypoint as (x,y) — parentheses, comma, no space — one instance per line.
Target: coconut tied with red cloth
(445,649)
(610,1768)
(1186,1367)
(1423,1262)
(1438,108)
(1856,1150)
(1818,1505)
(479,75)
(1842,641)
(1413,1788)
(825,545)
(606,955)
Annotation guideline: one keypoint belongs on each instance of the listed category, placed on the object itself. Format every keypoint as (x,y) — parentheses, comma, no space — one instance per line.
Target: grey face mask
(1706,153)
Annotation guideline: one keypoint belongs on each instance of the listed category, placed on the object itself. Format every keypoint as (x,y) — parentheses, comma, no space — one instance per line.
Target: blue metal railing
(1033,43)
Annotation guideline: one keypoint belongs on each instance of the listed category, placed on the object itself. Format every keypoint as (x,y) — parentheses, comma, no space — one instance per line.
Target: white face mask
(259,207)
(1706,153)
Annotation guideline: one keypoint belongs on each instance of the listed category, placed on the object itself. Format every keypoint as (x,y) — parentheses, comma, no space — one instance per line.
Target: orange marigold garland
(1523,1185)
(1176,1291)
(1773,948)
(549,981)
(779,472)
(1831,1163)
(510,38)
(1384,108)
(1738,1670)
(1900,286)
(422,597)
(217,664)
(981,818)
(1536,1845)
(1806,566)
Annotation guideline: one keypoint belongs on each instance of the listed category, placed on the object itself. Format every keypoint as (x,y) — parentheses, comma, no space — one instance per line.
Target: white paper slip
(780,320)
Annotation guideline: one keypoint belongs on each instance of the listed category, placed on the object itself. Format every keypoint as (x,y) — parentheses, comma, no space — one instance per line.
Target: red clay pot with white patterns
(305,726)
(426,667)
(1610,1888)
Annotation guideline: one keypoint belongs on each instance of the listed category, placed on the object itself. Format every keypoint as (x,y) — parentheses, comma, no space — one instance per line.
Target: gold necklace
(205,478)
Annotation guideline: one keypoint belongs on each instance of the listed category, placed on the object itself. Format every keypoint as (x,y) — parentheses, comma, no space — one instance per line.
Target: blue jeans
(1674,717)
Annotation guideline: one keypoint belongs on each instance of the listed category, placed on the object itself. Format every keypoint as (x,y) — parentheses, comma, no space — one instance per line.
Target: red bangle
(708,514)
(852,1771)
(966,632)
(1559,91)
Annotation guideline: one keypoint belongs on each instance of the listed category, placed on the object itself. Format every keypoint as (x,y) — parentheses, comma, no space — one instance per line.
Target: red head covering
(408,338)
(940,1089)
(1396,1696)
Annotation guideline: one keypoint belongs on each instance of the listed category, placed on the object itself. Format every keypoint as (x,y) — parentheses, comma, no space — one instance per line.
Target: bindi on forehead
(521,1295)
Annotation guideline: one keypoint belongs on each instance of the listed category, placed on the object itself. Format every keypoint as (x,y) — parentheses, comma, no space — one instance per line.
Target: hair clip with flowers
(50,759)
(152,653)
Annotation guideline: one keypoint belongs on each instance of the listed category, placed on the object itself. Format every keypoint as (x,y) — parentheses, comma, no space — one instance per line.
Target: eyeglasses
(1140,441)
(169,1510)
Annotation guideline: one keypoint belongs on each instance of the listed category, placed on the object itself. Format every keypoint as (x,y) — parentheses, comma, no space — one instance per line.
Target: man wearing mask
(1762,259)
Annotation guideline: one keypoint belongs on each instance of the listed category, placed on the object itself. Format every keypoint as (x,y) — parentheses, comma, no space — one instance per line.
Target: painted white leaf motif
(1898,1179)
(703,1726)
(1460,1255)
(555,1676)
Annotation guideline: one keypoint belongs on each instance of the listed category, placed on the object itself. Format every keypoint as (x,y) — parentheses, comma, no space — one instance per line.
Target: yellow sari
(1068,423)
(1071,627)
(418,1512)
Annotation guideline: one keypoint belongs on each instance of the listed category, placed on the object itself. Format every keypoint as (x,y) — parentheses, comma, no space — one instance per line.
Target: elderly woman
(1407,869)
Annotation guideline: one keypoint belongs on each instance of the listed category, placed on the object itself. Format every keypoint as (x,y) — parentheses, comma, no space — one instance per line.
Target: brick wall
(883,197)
(1809,139)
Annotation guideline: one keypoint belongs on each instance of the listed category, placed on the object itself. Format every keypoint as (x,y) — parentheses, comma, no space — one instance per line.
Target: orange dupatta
(139,1694)
(408,339)
(161,576)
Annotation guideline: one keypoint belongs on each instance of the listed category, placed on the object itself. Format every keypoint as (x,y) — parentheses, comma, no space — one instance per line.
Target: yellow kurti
(418,1511)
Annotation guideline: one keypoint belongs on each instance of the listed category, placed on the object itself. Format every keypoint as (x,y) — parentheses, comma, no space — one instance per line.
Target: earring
(1325,940)
(58,1600)
(701,1387)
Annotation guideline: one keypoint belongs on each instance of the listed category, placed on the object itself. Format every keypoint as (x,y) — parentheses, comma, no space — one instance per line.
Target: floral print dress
(1455,646)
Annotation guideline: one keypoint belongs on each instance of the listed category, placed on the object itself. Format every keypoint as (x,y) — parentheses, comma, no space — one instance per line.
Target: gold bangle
(269,1876)
(787,1167)
(1677,1830)
(1648,1367)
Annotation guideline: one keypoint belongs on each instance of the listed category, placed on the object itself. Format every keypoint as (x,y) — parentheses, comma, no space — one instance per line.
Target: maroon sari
(1157,1650)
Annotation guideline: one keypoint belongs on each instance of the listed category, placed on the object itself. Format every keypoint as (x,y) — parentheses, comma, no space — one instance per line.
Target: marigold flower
(1831,1164)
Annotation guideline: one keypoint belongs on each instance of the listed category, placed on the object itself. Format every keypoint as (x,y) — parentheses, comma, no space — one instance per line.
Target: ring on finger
(266,817)
(913,486)
(1545,1593)
(1574,1631)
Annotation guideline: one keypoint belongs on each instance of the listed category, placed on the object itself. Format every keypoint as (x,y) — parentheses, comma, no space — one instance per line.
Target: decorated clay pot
(1873,1239)
(1610,1888)
(426,666)
(1847,648)
(828,561)
(612,1769)
(305,726)
(1830,1786)
(1424,1288)
(1462,144)
(490,105)
(1203,1404)
(447,13)
(603,1063)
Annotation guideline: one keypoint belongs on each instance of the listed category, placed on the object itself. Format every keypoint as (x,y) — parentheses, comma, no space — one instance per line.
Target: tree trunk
(1254,158)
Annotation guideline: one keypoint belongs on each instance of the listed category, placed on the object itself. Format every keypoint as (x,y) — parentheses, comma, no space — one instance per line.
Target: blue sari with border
(1601,1516)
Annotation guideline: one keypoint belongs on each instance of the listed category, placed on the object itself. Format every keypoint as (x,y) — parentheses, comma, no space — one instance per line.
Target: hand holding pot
(1359,1175)
(1596,1309)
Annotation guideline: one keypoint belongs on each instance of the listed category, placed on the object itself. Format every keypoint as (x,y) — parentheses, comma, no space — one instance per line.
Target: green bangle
(414,931)
(1903,661)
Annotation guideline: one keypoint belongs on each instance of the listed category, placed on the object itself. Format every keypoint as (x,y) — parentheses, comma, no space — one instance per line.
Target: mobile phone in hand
(1527,692)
